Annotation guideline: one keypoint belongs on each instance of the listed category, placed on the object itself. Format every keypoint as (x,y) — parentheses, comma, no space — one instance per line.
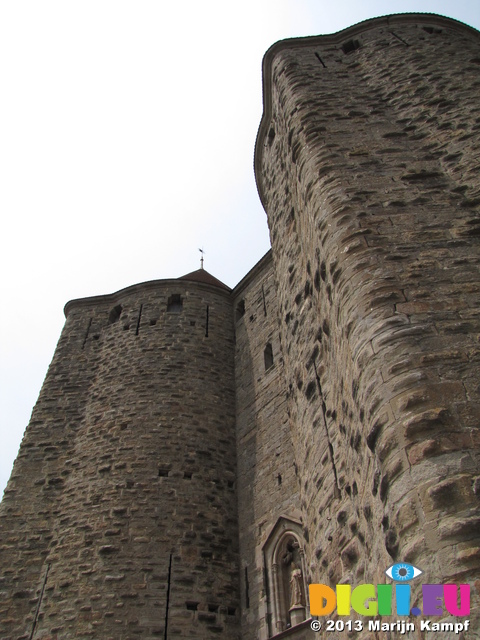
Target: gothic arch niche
(285,572)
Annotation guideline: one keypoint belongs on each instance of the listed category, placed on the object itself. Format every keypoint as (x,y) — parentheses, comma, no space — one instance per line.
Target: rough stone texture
(267,485)
(335,397)
(129,460)
(368,168)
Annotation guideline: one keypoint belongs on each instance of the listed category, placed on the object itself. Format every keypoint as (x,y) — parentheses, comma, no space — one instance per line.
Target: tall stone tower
(367,165)
(121,514)
(198,456)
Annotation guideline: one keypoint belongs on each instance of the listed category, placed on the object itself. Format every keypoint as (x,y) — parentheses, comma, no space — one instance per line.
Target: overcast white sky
(126,143)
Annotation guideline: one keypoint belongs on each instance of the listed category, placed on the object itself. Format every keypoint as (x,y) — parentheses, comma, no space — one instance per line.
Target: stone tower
(367,166)
(126,474)
(198,456)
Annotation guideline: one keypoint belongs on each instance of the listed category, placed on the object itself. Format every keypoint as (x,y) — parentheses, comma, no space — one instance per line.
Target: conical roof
(200,275)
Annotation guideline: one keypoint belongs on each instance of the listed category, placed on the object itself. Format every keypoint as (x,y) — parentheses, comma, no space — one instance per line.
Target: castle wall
(195,453)
(367,164)
(31,510)
(123,495)
(267,484)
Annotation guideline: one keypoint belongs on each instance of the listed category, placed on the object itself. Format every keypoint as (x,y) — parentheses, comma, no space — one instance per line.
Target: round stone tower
(126,474)
(367,165)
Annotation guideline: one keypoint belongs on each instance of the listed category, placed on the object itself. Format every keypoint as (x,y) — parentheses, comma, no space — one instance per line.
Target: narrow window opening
(138,321)
(247,590)
(399,38)
(240,310)
(279,479)
(320,60)
(350,46)
(40,601)
(271,135)
(268,357)
(174,303)
(87,332)
(264,302)
(206,322)
(115,314)
(168,596)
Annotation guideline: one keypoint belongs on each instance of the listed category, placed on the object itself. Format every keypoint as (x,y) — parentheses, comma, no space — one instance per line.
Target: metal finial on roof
(201,259)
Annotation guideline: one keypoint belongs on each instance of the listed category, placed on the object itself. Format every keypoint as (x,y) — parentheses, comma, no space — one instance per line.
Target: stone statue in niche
(295,591)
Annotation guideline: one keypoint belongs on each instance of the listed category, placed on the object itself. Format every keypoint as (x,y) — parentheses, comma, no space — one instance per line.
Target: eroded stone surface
(372,197)
(330,400)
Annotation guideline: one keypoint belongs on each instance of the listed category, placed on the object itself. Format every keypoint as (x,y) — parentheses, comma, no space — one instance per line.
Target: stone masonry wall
(267,484)
(336,390)
(30,509)
(367,164)
(124,490)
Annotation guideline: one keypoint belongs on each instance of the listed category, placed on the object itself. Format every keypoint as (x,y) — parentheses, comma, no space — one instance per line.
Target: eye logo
(366,600)
(403,572)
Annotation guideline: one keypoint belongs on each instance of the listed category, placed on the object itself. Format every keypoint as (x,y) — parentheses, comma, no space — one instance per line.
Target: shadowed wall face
(127,474)
(368,167)
(267,485)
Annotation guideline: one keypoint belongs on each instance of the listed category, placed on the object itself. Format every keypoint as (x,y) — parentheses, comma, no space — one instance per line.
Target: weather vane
(201,259)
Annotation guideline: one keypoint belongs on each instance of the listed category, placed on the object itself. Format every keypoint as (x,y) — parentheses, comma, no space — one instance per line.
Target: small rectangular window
(240,310)
(350,46)
(268,356)
(175,303)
